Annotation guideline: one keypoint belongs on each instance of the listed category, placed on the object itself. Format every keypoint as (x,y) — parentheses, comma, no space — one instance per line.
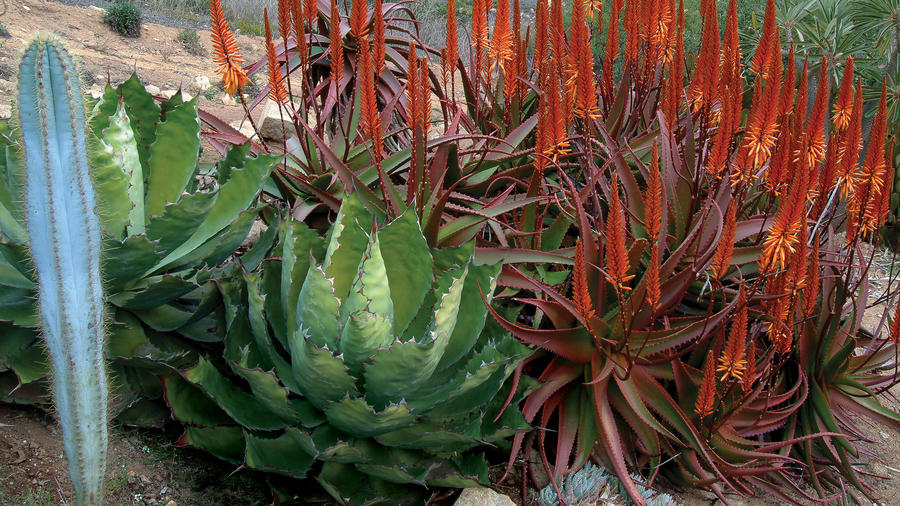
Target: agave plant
(164,238)
(364,351)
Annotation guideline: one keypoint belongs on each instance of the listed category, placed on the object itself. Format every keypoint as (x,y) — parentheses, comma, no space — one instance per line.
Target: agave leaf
(334,446)
(244,408)
(287,454)
(13,270)
(323,378)
(23,352)
(143,112)
(152,292)
(347,486)
(481,279)
(364,333)
(346,244)
(17,306)
(370,290)
(470,470)
(433,437)
(190,404)
(266,388)
(125,261)
(357,418)
(180,220)
(104,109)
(227,443)
(318,308)
(408,264)
(221,245)
(269,356)
(233,198)
(401,369)
(300,247)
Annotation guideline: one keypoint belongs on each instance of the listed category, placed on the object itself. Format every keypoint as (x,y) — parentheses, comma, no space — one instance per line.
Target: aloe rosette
(366,352)
(165,236)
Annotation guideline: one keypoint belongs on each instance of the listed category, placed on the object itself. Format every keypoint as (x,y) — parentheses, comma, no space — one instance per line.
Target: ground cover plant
(679,244)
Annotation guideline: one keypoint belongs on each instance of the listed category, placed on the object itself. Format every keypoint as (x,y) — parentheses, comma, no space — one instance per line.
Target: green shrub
(191,42)
(124,18)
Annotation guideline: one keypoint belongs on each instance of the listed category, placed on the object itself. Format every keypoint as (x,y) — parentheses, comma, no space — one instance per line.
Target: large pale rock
(199,84)
(245,128)
(482,497)
(152,89)
(270,126)
(5,111)
(167,94)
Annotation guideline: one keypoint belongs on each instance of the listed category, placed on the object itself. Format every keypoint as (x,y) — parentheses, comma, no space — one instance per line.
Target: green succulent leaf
(172,161)
(125,261)
(322,377)
(481,280)
(227,443)
(347,243)
(156,291)
(409,266)
(179,221)
(117,142)
(191,405)
(318,308)
(269,392)
(290,453)
(357,418)
(144,114)
(370,290)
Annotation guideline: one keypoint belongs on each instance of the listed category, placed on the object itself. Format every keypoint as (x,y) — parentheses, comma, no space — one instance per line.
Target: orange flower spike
(799,111)
(370,117)
(762,57)
(886,185)
(653,288)
(586,95)
(617,264)
(750,372)
(336,45)
(828,174)
(874,168)
(277,91)
(789,87)
(299,30)
(581,296)
(480,32)
(815,128)
(311,11)
(501,45)
(225,50)
(284,19)
(558,37)
(706,398)
(721,147)
(612,47)
(424,97)
(781,240)
(843,106)
(722,257)
(675,83)
(541,36)
(653,197)
(451,48)
(733,361)
(378,40)
(849,149)
(706,71)
(632,31)
(358,19)
(412,88)
(875,152)
(730,74)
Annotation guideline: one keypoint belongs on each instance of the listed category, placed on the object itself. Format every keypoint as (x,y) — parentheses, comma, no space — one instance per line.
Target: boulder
(482,497)
(270,126)
(5,111)
(152,89)
(167,94)
(199,84)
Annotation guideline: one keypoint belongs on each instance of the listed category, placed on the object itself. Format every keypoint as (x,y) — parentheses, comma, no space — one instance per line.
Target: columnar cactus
(64,234)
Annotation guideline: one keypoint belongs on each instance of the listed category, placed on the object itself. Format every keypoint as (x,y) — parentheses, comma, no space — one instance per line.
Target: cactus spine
(64,234)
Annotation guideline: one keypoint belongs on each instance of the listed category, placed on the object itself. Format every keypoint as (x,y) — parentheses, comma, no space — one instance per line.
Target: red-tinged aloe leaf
(557,375)
(519,255)
(610,440)
(347,177)
(630,394)
(654,342)
(624,173)
(676,179)
(559,315)
(462,229)
(647,436)
(512,140)
(569,417)
(573,344)
(855,401)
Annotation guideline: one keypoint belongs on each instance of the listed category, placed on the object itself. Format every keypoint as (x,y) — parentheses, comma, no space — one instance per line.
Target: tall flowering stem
(225,50)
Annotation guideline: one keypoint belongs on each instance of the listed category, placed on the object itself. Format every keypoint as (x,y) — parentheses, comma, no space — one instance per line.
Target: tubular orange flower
(451,51)
(336,47)
(864,206)
(612,47)
(501,48)
(370,117)
(277,91)
(225,50)
(378,39)
(581,297)
(762,58)
(730,73)
(412,88)
(617,264)
(828,175)
(311,11)
(721,147)
(586,95)
(843,106)
(850,146)
(782,240)
(706,398)
(541,36)
(733,361)
(706,73)
(480,33)
(632,32)
(358,17)
(750,373)
(558,37)
(284,20)
(675,83)
(559,140)
(788,88)
(815,128)
(760,135)
(887,182)
(799,111)
(653,289)
(299,30)
(424,97)
(653,197)
(722,257)
(778,165)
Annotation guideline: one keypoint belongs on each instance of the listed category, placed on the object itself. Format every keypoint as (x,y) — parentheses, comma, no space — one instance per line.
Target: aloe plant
(365,352)
(165,235)
(64,235)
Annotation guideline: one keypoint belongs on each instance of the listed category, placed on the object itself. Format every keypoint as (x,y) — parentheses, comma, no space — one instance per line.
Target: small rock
(5,85)
(246,128)
(228,99)
(5,111)
(27,8)
(167,94)
(95,8)
(482,497)
(146,27)
(171,503)
(151,89)
(96,92)
(199,84)
(273,124)
(186,96)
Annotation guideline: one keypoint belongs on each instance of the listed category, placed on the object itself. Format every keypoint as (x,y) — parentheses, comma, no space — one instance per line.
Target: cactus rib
(64,235)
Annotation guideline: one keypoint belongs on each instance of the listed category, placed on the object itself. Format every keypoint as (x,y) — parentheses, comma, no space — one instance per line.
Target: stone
(270,126)
(96,91)
(482,497)
(5,111)
(6,85)
(228,100)
(186,96)
(167,94)
(151,89)
(244,127)
(199,84)
(95,8)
